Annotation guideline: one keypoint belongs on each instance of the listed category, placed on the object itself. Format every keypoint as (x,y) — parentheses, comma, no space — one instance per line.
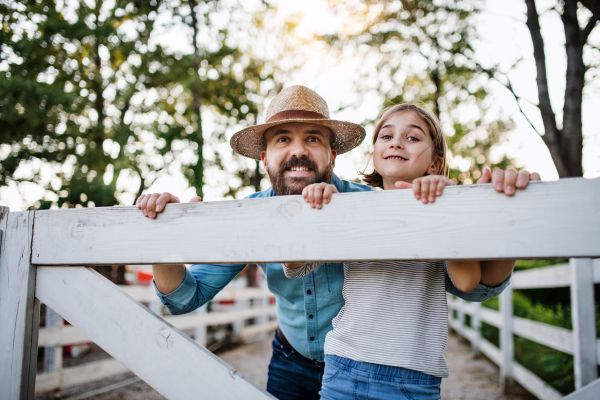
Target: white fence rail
(549,219)
(586,272)
(55,377)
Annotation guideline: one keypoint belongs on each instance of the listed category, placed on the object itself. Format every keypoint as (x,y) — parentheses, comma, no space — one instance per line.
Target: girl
(388,339)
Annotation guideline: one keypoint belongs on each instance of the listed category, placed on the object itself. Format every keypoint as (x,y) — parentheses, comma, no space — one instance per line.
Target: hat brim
(249,142)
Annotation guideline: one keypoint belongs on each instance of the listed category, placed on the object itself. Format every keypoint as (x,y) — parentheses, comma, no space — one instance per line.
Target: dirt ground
(470,379)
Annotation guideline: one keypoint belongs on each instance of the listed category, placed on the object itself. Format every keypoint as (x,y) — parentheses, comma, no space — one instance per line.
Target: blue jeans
(349,379)
(291,375)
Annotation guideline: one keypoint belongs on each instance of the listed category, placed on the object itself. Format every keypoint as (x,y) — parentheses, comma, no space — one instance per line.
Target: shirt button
(310,316)
(312,338)
(308,291)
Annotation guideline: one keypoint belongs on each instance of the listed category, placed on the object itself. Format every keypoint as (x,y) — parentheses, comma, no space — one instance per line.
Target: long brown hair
(374,179)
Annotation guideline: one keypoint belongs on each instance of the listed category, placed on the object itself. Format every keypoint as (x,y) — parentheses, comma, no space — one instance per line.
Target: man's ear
(333,156)
(435,166)
(263,157)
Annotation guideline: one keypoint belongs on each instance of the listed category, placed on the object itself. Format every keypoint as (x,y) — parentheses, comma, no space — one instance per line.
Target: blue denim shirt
(305,306)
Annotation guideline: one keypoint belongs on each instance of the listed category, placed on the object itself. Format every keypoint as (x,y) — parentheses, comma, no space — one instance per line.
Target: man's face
(297,154)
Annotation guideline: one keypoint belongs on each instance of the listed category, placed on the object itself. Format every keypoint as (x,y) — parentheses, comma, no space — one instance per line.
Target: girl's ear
(434,168)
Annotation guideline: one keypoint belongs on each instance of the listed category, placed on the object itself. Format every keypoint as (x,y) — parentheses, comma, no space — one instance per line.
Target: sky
(503,38)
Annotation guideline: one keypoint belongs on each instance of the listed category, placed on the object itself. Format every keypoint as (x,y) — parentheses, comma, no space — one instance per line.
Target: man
(298,145)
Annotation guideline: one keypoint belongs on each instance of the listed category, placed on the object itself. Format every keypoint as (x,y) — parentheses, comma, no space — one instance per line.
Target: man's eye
(282,139)
(313,139)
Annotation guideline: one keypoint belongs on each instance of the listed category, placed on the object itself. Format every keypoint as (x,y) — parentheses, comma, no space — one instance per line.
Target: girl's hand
(427,187)
(152,204)
(318,193)
(508,181)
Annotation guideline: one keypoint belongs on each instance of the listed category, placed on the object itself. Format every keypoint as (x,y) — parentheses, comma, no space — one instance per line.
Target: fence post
(476,326)
(584,321)
(460,314)
(52,354)
(200,330)
(506,340)
(19,309)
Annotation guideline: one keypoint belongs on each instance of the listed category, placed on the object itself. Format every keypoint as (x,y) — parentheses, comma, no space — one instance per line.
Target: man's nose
(298,148)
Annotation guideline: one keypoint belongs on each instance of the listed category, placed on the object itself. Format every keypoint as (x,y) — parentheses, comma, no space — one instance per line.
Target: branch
(491,72)
(589,28)
(593,6)
(545,105)
(517,98)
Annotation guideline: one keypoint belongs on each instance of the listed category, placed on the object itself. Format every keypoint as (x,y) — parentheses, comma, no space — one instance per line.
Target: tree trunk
(257,177)
(435,77)
(552,135)
(572,135)
(197,102)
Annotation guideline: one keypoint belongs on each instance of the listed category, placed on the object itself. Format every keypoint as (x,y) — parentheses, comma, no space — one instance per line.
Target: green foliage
(92,107)
(538,263)
(556,315)
(424,52)
(551,365)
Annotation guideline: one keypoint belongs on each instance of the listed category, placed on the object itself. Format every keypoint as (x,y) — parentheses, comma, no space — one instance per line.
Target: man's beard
(284,186)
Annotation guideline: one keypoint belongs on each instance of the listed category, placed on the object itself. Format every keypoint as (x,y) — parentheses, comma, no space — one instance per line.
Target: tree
(423,52)
(89,100)
(564,140)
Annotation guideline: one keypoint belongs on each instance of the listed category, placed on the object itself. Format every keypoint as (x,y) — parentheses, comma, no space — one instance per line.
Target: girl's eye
(412,139)
(386,136)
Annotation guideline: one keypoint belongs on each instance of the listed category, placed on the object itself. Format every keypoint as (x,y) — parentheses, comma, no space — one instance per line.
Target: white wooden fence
(581,342)
(40,248)
(53,338)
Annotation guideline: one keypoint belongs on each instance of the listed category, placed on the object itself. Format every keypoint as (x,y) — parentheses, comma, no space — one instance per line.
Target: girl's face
(403,150)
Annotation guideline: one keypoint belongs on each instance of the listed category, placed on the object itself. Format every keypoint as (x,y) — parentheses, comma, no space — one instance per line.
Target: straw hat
(297,104)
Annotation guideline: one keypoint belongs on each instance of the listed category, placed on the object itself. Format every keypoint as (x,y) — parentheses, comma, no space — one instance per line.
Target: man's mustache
(298,162)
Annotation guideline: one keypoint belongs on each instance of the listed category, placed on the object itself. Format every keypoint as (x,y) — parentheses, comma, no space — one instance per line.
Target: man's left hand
(508,181)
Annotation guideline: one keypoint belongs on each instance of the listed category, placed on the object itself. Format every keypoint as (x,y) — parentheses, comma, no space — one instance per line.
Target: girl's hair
(435,130)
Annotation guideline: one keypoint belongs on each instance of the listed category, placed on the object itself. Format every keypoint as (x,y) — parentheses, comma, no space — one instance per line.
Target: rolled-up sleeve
(294,273)
(181,296)
(480,293)
(200,285)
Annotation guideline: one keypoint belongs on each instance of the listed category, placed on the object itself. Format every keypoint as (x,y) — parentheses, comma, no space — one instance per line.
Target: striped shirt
(395,314)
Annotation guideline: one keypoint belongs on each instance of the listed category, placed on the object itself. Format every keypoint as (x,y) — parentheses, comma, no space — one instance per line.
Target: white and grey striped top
(395,314)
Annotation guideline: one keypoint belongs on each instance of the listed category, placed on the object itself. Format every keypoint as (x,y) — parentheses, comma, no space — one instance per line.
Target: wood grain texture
(548,219)
(19,311)
(139,339)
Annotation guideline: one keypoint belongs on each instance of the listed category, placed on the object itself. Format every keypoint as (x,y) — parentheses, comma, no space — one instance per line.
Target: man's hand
(318,193)
(152,204)
(508,181)
(427,187)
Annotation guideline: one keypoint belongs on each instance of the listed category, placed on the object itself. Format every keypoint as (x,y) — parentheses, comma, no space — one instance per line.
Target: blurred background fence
(238,314)
(545,348)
